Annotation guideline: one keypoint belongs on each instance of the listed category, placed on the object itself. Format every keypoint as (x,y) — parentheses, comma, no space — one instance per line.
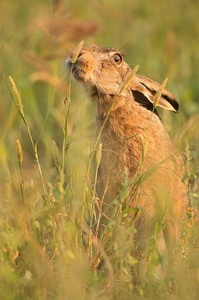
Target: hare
(134,140)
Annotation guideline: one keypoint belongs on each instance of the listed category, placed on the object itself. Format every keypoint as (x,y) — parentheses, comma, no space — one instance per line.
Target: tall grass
(52,245)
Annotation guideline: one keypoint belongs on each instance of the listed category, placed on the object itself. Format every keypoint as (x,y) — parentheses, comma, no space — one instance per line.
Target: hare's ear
(144,91)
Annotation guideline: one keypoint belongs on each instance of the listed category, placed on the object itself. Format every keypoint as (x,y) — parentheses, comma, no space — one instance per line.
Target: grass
(48,247)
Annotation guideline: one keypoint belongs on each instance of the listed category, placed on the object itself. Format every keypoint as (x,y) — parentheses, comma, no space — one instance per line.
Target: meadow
(48,249)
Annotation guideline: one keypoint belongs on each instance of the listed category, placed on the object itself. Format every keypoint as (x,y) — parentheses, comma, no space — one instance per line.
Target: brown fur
(132,125)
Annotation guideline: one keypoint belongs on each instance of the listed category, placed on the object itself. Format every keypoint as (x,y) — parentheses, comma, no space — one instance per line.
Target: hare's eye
(117,58)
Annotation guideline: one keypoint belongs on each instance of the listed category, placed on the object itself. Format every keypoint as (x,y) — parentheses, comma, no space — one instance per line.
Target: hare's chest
(118,154)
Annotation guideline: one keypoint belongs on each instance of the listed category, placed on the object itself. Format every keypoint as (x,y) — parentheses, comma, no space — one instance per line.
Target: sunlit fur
(131,130)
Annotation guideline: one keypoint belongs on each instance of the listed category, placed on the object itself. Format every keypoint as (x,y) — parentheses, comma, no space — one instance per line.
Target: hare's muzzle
(75,68)
(82,67)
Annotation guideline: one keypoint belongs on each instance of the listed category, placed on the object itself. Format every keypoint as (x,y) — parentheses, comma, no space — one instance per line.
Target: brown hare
(134,141)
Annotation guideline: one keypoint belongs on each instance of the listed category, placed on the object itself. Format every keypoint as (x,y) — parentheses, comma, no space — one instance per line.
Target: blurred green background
(162,37)
(159,36)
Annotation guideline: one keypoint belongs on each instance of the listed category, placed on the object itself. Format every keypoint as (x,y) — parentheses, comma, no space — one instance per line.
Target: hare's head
(103,71)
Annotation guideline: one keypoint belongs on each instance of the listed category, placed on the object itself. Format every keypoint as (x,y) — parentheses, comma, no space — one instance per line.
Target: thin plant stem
(20,161)
(65,144)
(34,145)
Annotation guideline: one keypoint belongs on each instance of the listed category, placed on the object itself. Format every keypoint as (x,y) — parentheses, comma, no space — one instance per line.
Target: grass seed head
(76,52)
(19,153)
(159,93)
(16,96)
(128,79)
